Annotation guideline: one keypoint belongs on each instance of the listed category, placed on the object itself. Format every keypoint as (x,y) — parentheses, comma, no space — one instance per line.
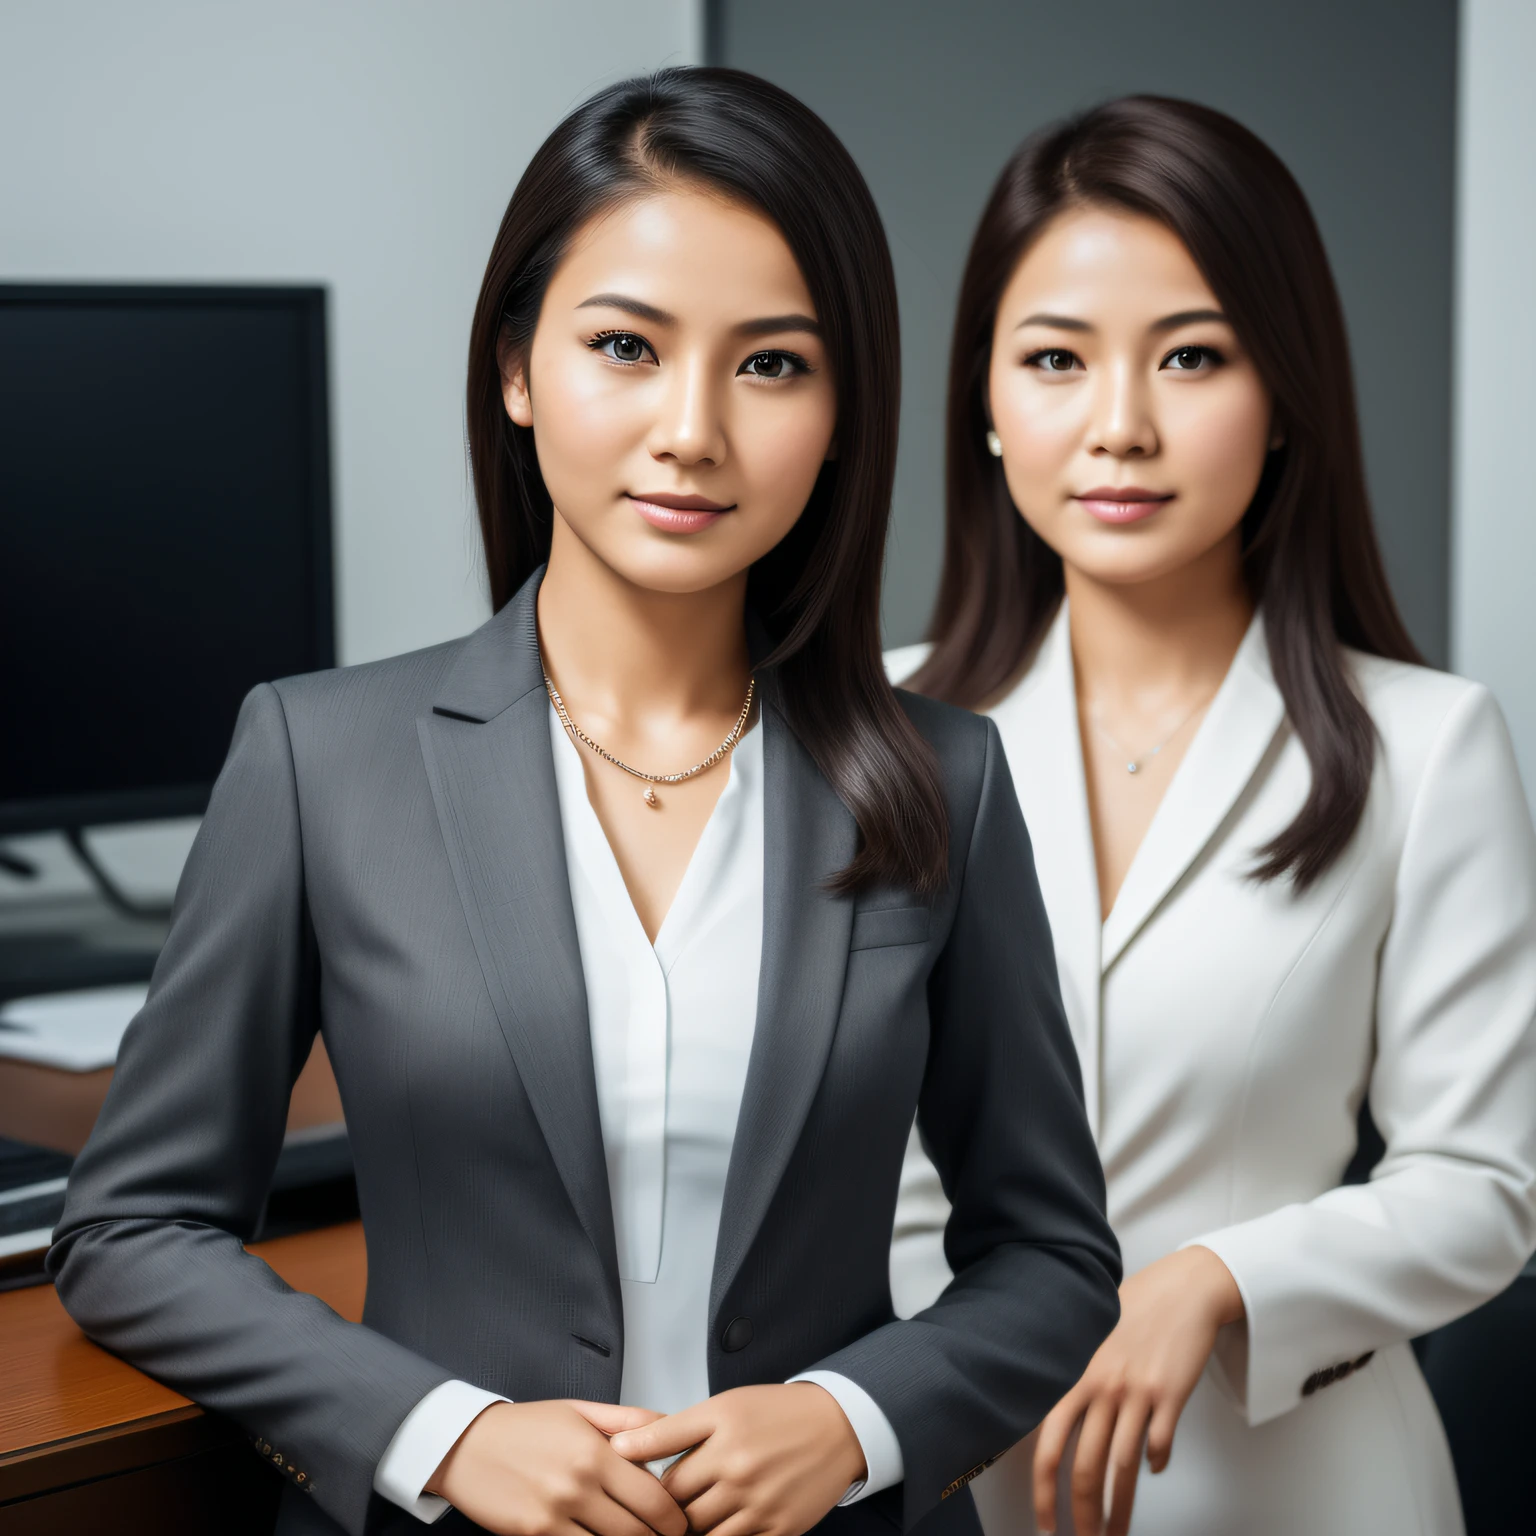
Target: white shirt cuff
(427,1433)
(883,1466)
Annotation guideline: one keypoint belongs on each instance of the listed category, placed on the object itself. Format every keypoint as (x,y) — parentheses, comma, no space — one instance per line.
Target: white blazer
(1227,1031)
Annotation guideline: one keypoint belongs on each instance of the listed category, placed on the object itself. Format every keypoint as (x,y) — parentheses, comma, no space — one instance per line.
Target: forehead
(691,251)
(1107,260)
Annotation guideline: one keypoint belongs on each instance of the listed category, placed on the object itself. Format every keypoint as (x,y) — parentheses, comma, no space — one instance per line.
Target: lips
(679,514)
(1123,503)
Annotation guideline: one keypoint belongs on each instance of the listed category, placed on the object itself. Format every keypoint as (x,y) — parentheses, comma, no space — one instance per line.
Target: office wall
(367,146)
(1358,99)
(1493,630)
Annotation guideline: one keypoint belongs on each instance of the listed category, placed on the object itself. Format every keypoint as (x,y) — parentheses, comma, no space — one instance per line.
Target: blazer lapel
(487,752)
(806,931)
(1038,724)
(1222,759)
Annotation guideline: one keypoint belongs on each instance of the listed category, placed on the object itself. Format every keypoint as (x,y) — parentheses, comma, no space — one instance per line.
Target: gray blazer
(382,860)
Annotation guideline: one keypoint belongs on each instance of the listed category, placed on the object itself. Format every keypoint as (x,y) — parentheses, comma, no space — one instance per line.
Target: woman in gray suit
(637,925)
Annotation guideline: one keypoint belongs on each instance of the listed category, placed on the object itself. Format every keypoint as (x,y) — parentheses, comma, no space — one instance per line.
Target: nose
(690,425)
(1123,424)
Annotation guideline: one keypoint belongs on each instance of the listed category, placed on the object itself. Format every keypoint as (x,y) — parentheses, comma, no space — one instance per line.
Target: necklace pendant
(1133,767)
(650,796)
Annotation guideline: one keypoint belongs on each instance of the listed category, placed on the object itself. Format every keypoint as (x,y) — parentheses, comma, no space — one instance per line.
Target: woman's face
(678,389)
(1134,427)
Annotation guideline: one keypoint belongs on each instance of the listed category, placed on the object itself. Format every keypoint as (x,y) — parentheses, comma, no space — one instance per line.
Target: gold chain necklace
(653,779)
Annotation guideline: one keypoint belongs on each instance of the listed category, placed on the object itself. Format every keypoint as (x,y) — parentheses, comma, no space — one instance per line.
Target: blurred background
(352,161)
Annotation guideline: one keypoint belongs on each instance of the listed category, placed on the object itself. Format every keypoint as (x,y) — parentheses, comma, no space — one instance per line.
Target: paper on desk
(76,1031)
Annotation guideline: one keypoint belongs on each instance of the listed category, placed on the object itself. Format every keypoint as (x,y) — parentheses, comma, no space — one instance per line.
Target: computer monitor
(165,536)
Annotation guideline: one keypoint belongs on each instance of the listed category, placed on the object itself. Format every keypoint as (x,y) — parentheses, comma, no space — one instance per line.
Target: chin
(1129,564)
(676,568)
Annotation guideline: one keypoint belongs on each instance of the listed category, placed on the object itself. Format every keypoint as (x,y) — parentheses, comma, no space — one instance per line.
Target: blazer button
(737,1335)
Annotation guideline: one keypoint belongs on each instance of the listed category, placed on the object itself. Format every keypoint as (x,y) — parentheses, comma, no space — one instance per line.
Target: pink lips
(679,514)
(1122,503)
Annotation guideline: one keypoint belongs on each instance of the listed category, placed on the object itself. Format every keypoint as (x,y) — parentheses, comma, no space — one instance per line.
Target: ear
(1276,435)
(512,362)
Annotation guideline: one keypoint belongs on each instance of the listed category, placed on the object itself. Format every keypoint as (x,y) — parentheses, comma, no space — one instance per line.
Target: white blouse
(672,1026)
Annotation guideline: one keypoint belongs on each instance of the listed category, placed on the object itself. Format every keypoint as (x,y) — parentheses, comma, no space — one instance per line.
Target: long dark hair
(1309,550)
(818,591)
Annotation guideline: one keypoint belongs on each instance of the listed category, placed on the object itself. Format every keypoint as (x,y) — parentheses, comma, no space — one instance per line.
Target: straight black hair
(1310,554)
(818,591)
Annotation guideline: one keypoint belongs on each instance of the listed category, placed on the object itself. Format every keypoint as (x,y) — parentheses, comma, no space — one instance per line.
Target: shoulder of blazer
(1411,705)
(361,720)
(959,741)
(399,686)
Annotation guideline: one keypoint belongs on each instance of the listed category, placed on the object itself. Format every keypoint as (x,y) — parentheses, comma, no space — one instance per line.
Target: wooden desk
(87,1443)
(50,1108)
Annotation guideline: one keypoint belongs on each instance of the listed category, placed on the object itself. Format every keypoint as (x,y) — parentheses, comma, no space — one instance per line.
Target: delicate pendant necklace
(1134,764)
(653,779)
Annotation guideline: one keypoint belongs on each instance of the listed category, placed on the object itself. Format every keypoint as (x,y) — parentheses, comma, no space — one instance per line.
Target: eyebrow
(772,325)
(1167,323)
(769,325)
(1189,317)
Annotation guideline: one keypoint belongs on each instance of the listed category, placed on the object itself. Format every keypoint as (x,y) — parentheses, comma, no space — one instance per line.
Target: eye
(623,347)
(1053,360)
(1193,359)
(773,365)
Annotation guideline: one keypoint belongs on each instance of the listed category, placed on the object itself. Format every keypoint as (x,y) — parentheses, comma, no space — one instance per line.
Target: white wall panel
(1493,592)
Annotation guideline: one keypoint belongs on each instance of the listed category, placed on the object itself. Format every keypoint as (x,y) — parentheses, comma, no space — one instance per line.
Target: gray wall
(1358,98)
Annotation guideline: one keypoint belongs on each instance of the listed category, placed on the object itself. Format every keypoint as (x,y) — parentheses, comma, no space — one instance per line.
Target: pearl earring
(994,445)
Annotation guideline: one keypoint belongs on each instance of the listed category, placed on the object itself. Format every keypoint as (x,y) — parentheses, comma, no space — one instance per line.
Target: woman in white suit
(1286,866)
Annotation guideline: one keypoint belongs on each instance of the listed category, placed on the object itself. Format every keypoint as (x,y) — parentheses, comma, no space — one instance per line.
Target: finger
(714,1508)
(1124,1464)
(666,1437)
(1088,1468)
(1050,1446)
(603,1516)
(745,1522)
(690,1475)
(1165,1419)
(645,1498)
(612,1418)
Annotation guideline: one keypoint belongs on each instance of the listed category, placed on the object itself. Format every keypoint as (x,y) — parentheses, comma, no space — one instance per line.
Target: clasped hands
(760,1461)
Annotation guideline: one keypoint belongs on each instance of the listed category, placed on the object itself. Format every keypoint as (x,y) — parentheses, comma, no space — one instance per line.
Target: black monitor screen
(164,536)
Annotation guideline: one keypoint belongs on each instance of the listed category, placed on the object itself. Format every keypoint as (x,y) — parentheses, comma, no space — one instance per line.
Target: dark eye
(1052,360)
(1191,359)
(621,346)
(774,365)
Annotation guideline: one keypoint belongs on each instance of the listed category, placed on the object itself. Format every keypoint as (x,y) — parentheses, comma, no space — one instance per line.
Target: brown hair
(818,591)
(1310,554)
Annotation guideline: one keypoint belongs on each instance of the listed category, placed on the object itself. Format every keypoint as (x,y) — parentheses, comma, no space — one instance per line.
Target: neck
(1166,639)
(625,651)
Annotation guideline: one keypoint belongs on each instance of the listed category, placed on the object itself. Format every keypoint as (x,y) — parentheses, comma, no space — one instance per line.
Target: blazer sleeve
(1448,1217)
(148,1256)
(1001,1110)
